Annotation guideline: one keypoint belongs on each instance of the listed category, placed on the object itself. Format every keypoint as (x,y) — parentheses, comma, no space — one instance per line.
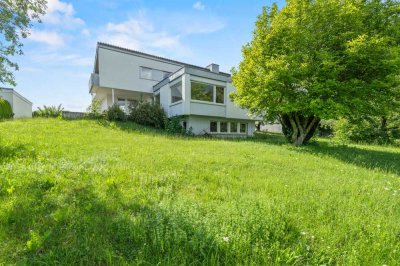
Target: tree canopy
(16,17)
(321,59)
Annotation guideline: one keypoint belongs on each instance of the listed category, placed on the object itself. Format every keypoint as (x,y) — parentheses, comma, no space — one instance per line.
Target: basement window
(223,127)
(243,128)
(214,126)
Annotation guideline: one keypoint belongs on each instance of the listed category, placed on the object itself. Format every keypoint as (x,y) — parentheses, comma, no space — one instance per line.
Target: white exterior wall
(122,70)
(22,108)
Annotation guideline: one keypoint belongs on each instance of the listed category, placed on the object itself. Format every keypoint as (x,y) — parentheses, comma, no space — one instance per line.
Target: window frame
(229,124)
(214,93)
(178,84)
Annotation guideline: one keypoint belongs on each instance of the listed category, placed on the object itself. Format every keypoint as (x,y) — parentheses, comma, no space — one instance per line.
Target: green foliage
(16,19)
(93,110)
(115,113)
(380,130)
(80,193)
(321,59)
(5,110)
(148,114)
(49,111)
(173,125)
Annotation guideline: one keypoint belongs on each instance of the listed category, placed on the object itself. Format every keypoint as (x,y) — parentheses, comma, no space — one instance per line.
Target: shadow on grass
(371,159)
(364,157)
(10,152)
(81,227)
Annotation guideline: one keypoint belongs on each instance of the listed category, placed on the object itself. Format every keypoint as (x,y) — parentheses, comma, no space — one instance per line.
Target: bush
(115,113)
(93,111)
(325,128)
(173,125)
(379,130)
(5,109)
(48,111)
(148,114)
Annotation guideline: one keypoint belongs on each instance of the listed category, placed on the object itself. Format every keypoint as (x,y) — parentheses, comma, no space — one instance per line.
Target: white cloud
(58,59)
(50,38)
(199,6)
(140,34)
(61,13)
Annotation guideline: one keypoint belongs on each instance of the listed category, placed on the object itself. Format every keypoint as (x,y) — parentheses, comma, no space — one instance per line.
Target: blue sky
(59,54)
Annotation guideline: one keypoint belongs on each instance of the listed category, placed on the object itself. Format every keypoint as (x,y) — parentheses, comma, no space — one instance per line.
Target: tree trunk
(297,128)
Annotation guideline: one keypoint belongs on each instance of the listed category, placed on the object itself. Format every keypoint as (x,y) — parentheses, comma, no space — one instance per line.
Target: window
(153,74)
(202,92)
(223,127)
(219,94)
(157,99)
(121,103)
(132,103)
(184,125)
(207,92)
(234,127)
(243,128)
(176,92)
(145,73)
(157,75)
(213,126)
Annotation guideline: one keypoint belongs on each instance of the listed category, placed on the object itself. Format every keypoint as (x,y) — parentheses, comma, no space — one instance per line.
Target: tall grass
(84,192)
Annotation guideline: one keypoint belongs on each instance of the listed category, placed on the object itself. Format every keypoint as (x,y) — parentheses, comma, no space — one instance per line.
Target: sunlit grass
(85,192)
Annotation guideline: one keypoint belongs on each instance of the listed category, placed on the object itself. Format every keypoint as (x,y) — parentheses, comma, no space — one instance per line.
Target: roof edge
(107,45)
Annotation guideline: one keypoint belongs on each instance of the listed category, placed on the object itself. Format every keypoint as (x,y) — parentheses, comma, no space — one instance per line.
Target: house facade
(22,107)
(200,95)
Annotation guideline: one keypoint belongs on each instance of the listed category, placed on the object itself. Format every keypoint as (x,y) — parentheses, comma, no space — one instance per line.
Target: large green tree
(321,59)
(16,17)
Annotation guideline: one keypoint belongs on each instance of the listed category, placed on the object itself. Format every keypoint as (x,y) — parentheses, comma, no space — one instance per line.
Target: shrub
(5,109)
(115,113)
(93,110)
(173,125)
(380,130)
(148,114)
(48,111)
(325,128)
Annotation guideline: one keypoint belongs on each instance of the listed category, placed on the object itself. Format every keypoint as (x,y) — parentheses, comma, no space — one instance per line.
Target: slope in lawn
(96,193)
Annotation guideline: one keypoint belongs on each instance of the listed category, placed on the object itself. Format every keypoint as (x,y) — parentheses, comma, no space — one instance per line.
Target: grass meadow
(90,192)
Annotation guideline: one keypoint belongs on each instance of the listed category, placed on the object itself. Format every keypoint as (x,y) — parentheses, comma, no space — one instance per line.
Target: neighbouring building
(21,106)
(200,95)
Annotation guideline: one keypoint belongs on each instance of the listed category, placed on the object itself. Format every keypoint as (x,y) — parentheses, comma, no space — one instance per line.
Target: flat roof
(16,93)
(126,50)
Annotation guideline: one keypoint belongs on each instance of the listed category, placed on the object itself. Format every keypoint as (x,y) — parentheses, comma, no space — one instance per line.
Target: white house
(200,95)
(21,106)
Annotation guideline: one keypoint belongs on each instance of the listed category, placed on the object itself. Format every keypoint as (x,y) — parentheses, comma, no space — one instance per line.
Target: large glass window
(219,94)
(223,127)
(213,126)
(234,127)
(207,92)
(202,92)
(176,92)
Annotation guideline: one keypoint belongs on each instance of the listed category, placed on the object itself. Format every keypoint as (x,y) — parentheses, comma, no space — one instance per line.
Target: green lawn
(85,192)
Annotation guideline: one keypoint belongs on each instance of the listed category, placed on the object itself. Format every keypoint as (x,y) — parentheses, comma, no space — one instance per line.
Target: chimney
(213,68)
